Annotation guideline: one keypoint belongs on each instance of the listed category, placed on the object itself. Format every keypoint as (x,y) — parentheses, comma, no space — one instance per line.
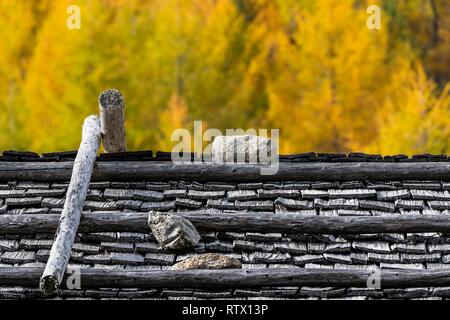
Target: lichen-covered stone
(208,261)
(173,232)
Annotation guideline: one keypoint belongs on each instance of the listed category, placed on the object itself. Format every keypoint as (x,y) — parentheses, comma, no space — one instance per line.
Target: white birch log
(73,206)
(112,117)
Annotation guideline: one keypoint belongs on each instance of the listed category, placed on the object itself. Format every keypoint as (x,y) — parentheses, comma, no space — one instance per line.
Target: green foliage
(311,68)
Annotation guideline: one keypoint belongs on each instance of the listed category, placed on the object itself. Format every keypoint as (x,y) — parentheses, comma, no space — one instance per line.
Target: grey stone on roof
(352,193)
(148,247)
(88,249)
(405,266)
(160,258)
(324,185)
(60,185)
(138,294)
(176,293)
(157,186)
(375,246)
(45,192)
(134,237)
(119,194)
(188,203)
(393,237)
(32,185)
(291,247)
(3,208)
(250,186)
(32,244)
(4,194)
(377,205)
(42,255)
(367,292)
(441,292)
(429,237)
(334,204)
(219,186)
(99,185)
(127,258)
(439,205)
(393,195)
(219,246)
(410,212)
(316,247)
(337,258)
(308,258)
(409,204)
(144,267)
(9,245)
(273,194)
(264,247)
(160,206)
(53,203)
(263,257)
(128,185)
(94,195)
(427,185)
(220,204)
(439,248)
(243,245)
(318,266)
(265,205)
(100,205)
(294,204)
(172,194)
(409,248)
(381,257)
(438,266)
(21,202)
(148,195)
(13,257)
(129,204)
(296,185)
(99,236)
(255,266)
(97,258)
(380,186)
(344,247)
(321,292)
(272,185)
(430,195)
(420,258)
(264,236)
(242,195)
(117,246)
(408,293)
(343,212)
(205,195)
(431,212)
(314,194)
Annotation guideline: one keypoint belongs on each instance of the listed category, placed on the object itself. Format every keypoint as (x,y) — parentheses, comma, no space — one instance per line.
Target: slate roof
(124,250)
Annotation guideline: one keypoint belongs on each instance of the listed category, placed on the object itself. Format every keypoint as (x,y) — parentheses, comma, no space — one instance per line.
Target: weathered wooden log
(166,170)
(234,222)
(73,206)
(237,278)
(112,117)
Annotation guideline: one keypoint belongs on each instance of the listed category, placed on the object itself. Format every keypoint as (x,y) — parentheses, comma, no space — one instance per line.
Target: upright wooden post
(112,117)
(73,206)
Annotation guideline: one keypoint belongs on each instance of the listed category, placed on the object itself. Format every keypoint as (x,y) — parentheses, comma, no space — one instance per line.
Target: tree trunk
(233,222)
(209,172)
(75,198)
(238,278)
(112,117)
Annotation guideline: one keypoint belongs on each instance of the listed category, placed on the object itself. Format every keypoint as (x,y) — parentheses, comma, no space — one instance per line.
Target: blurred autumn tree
(309,67)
